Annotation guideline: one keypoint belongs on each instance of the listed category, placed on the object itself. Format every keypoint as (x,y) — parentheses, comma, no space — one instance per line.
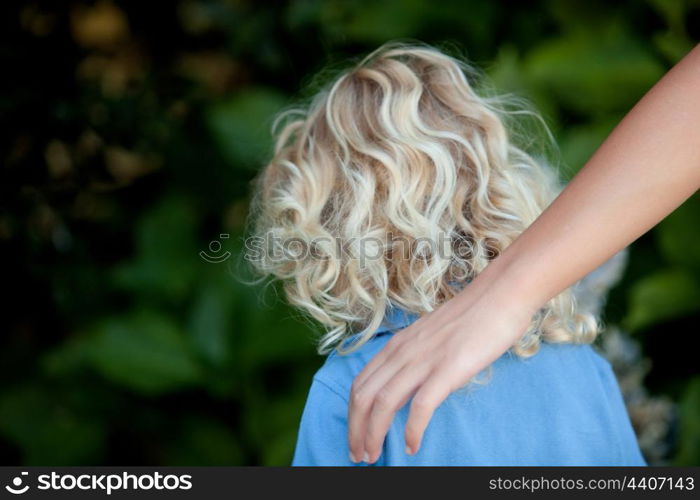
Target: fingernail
(352,458)
(408,450)
(365,458)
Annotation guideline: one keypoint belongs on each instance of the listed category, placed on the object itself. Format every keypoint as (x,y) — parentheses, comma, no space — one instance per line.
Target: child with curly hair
(388,194)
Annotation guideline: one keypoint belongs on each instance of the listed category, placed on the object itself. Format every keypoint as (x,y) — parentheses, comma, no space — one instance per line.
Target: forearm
(647,167)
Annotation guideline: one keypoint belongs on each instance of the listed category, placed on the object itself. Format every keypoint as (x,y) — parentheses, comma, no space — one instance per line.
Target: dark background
(131,133)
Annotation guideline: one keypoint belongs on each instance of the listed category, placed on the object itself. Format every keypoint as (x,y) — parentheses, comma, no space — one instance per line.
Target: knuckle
(400,351)
(421,403)
(395,344)
(384,399)
(355,387)
(360,398)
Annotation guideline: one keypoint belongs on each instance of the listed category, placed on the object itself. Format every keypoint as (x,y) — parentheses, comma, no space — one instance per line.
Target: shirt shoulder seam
(331,387)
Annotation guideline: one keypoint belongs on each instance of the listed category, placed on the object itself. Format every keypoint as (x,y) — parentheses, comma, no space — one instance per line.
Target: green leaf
(661,296)
(675,42)
(47,428)
(241,125)
(578,144)
(210,325)
(506,72)
(594,72)
(673,12)
(64,359)
(143,351)
(166,257)
(274,425)
(508,75)
(677,235)
(272,334)
(204,441)
(689,435)
(374,22)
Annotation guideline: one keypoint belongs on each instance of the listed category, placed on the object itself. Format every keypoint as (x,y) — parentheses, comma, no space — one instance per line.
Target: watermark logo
(106,483)
(273,248)
(365,250)
(216,256)
(16,488)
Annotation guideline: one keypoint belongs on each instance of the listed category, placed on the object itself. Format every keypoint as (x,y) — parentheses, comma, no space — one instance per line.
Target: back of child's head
(396,184)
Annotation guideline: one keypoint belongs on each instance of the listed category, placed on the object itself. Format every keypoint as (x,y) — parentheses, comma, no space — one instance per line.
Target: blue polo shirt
(562,406)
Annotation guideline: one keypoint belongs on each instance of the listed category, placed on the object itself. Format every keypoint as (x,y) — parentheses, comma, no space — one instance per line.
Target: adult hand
(434,356)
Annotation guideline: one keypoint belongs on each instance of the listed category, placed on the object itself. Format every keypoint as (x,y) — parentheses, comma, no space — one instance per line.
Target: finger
(427,398)
(398,342)
(378,360)
(361,400)
(389,399)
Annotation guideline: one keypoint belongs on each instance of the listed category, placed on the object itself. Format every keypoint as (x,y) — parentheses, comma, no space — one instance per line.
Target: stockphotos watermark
(274,248)
(215,253)
(98,483)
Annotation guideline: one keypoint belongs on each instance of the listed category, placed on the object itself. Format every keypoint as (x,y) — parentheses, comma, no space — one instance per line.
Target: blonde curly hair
(395,155)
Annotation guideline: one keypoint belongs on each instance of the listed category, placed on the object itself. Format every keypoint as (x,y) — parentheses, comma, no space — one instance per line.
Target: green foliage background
(132,131)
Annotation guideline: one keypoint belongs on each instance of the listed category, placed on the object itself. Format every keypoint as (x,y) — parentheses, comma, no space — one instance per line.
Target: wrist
(509,284)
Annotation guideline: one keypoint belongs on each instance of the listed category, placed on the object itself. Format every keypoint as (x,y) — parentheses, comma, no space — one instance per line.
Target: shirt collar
(396,318)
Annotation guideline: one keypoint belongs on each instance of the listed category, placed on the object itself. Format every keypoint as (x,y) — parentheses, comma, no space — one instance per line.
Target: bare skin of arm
(645,169)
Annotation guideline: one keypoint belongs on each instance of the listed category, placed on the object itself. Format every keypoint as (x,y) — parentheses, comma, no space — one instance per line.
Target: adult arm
(646,168)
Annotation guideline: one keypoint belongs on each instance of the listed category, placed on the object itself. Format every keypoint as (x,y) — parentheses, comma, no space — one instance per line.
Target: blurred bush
(132,132)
